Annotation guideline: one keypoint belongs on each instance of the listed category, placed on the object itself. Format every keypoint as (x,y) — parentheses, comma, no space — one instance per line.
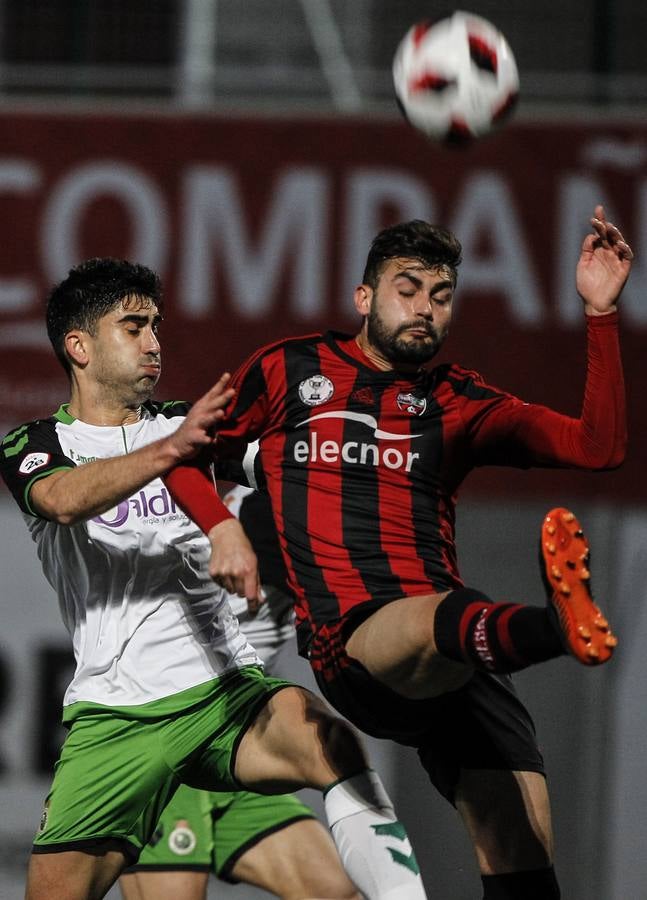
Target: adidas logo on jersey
(363,395)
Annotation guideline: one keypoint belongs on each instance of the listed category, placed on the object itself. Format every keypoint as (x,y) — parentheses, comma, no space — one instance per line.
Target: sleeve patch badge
(32,462)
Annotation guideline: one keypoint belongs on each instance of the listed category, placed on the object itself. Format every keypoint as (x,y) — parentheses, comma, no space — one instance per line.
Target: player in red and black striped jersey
(363,449)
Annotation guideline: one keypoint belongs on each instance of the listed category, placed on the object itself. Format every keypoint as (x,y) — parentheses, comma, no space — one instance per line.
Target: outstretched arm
(509,432)
(522,434)
(603,267)
(77,494)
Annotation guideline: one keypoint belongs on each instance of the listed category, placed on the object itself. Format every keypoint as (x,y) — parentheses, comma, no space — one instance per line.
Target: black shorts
(483,725)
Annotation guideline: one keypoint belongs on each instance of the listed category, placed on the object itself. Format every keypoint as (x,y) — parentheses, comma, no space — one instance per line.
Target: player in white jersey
(166,691)
(275,843)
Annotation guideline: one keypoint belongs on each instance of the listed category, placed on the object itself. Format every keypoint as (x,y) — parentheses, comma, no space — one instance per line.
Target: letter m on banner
(293,235)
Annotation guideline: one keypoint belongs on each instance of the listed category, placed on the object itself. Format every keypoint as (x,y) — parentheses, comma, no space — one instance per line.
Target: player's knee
(299,884)
(343,747)
(333,883)
(339,741)
(305,740)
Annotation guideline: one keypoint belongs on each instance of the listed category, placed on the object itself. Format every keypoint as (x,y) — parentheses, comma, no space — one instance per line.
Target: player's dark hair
(431,244)
(91,290)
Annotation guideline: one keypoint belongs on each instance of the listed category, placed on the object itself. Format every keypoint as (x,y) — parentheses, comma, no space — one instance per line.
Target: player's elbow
(67,519)
(59,516)
(54,499)
(606,459)
(600,452)
(618,452)
(616,459)
(55,506)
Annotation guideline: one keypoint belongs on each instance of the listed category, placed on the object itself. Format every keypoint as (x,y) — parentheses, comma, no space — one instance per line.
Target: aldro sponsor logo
(147,508)
(363,453)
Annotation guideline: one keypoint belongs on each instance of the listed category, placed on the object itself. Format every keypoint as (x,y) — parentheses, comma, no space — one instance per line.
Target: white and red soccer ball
(455,79)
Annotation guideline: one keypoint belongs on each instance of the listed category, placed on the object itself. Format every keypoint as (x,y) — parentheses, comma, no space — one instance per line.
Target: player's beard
(397,350)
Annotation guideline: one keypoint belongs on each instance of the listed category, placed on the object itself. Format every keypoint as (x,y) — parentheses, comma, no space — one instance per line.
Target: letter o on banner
(68,200)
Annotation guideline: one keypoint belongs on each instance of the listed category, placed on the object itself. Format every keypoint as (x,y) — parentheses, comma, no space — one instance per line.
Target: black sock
(496,637)
(537,884)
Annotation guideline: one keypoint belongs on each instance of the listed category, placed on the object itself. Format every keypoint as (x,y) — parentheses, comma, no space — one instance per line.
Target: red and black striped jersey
(363,465)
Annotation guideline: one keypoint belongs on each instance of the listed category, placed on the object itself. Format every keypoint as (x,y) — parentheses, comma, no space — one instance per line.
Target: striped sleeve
(504,430)
(28,454)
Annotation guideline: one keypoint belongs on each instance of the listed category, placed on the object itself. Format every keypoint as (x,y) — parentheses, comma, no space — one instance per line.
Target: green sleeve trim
(36,478)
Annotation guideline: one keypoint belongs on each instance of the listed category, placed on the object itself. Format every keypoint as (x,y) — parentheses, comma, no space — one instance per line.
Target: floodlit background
(249,150)
(309,53)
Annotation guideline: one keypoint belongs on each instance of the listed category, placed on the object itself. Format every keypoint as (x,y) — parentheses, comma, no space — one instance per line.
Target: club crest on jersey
(316,390)
(415,406)
(32,462)
(182,839)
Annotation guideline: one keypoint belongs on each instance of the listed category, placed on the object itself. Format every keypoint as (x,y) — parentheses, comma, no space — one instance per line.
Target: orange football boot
(565,557)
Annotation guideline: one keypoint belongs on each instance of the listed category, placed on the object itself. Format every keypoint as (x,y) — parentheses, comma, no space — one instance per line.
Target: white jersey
(146,620)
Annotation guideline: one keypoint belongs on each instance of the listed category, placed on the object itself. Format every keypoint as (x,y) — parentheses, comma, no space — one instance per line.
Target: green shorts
(201,830)
(120,766)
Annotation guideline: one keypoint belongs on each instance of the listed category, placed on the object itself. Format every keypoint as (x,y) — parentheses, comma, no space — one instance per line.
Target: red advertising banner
(259,228)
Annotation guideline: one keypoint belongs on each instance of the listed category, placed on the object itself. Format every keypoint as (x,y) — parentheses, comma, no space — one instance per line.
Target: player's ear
(363,297)
(76,347)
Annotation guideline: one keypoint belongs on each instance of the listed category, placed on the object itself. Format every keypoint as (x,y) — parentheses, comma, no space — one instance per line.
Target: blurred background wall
(249,150)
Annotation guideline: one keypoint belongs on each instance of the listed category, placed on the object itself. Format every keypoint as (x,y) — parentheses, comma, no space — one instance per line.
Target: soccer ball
(455,79)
